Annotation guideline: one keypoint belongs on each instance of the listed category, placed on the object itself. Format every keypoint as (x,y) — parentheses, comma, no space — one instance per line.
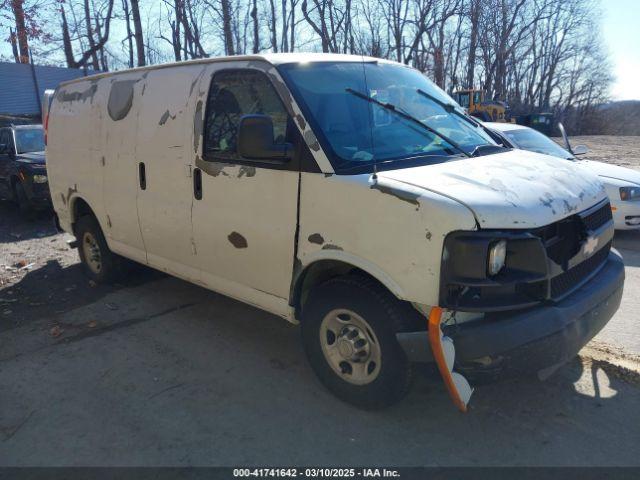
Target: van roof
(273,58)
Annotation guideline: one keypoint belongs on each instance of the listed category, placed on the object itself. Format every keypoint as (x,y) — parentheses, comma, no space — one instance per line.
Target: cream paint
(515,189)
(240,238)
(75,124)
(120,171)
(164,145)
(244,226)
(397,241)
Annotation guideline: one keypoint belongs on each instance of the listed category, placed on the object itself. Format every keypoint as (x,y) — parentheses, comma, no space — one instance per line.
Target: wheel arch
(325,267)
(79,207)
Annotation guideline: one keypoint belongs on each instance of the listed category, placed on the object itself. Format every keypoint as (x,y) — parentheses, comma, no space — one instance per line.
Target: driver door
(244,212)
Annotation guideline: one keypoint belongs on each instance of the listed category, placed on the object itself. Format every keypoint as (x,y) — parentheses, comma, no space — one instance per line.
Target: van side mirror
(580,150)
(256,142)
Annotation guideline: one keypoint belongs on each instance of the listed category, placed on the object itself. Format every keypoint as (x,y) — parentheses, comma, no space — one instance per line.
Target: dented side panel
(391,231)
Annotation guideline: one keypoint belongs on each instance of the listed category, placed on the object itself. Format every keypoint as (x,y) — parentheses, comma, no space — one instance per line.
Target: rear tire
(100,264)
(349,328)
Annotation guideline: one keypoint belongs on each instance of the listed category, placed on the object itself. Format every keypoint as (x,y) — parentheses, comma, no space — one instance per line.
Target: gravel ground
(40,276)
(617,150)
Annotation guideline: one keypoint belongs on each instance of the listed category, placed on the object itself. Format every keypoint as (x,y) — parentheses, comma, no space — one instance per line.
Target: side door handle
(142,176)
(197,183)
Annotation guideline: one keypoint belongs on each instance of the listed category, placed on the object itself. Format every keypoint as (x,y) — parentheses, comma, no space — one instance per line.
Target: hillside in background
(616,118)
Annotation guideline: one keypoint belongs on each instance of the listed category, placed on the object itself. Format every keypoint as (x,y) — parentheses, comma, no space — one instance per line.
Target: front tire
(100,264)
(349,328)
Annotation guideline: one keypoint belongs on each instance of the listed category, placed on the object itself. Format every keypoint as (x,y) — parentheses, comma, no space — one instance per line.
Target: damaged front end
(559,285)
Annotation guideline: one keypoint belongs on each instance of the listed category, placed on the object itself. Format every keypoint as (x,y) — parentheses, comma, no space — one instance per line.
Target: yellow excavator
(488,111)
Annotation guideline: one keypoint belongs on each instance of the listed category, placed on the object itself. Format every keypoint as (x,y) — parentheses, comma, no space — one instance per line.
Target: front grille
(596,219)
(564,283)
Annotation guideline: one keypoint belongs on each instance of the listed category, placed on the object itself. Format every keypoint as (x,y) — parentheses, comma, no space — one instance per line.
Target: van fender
(345,257)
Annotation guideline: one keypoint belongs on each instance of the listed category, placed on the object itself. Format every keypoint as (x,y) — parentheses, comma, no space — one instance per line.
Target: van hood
(607,170)
(514,189)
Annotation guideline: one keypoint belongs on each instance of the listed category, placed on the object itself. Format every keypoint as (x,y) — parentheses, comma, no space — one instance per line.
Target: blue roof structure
(18,90)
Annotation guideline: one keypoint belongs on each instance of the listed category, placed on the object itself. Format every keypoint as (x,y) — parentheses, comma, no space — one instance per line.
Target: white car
(622,184)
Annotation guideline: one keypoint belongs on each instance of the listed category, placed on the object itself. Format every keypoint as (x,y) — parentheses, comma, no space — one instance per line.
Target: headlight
(629,193)
(39,179)
(497,255)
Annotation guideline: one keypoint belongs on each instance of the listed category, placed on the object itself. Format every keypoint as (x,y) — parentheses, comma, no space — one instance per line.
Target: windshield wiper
(449,107)
(398,111)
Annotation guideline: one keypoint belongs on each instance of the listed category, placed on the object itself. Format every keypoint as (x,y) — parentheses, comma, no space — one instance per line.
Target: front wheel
(349,328)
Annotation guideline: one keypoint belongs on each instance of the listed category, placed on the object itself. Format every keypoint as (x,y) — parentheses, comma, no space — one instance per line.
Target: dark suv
(23,173)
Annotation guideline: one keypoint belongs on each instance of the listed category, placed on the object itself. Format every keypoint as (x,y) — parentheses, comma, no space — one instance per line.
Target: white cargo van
(347,193)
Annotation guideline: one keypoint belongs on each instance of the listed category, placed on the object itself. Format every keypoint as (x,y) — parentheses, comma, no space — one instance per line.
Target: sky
(621,32)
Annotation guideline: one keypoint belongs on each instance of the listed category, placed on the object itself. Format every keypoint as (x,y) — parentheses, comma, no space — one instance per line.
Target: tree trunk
(127,22)
(474,17)
(14,45)
(274,29)
(137,32)
(21,30)
(256,29)
(226,26)
(66,41)
(92,42)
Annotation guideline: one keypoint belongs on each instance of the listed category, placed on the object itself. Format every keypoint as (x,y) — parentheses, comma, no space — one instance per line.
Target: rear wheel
(100,263)
(349,331)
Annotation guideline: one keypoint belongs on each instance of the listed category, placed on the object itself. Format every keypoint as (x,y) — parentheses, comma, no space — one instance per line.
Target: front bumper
(535,340)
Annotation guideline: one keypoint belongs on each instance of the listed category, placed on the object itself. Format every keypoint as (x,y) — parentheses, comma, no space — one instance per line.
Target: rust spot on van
(403,195)
(311,141)
(71,191)
(330,246)
(237,240)
(246,171)
(64,96)
(301,121)
(428,235)
(547,201)
(120,99)
(166,116)
(316,238)
(197,126)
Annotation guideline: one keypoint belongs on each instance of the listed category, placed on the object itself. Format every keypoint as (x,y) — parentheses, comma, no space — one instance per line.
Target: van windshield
(358,133)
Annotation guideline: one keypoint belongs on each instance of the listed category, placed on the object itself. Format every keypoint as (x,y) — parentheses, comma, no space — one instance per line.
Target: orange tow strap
(435,340)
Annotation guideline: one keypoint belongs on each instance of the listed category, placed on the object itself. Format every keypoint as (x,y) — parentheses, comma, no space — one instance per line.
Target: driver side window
(235,93)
